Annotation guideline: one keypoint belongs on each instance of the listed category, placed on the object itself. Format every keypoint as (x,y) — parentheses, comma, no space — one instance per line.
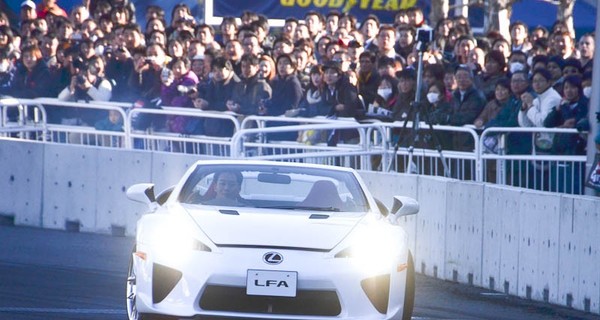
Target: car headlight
(372,249)
(174,241)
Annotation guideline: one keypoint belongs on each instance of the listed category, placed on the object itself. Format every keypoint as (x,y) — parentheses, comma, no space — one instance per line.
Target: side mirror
(404,206)
(142,192)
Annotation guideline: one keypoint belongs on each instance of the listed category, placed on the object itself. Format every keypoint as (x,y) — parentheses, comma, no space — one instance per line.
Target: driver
(227,186)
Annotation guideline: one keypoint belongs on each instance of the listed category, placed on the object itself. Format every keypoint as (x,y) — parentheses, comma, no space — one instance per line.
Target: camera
(186,89)
(424,36)
(149,59)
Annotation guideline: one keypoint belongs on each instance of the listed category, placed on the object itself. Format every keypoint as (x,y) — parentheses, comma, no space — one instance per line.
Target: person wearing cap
(554,66)
(28,11)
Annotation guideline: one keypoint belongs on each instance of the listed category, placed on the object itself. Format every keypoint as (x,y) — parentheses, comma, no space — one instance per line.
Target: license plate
(271,283)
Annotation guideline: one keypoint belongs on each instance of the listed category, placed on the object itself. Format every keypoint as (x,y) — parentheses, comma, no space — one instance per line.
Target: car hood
(264,227)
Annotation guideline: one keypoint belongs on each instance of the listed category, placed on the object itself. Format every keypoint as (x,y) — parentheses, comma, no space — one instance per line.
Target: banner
(593,179)
(281,9)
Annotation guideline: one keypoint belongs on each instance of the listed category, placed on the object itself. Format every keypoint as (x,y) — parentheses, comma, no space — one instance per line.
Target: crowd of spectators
(323,65)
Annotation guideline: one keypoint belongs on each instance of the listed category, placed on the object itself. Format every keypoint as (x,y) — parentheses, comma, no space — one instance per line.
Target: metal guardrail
(255,143)
(375,148)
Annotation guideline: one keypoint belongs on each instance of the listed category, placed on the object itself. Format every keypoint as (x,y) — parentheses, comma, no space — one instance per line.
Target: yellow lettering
(320,3)
(364,4)
(408,4)
(378,5)
(287,3)
(336,3)
(349,5)
(303,3)
(391,5)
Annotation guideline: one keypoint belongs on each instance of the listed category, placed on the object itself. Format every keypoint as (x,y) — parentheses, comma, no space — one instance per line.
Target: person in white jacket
(534,110)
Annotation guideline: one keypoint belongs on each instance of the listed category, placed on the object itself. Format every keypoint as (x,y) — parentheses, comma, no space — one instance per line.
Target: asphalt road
(48,274)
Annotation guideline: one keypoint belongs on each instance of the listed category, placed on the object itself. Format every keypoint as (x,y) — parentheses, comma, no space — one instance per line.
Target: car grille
(235,299)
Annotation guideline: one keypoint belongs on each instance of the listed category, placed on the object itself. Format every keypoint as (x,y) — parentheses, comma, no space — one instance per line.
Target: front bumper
(214,284)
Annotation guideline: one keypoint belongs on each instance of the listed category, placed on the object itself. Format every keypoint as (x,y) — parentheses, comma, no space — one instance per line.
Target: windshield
(292,188)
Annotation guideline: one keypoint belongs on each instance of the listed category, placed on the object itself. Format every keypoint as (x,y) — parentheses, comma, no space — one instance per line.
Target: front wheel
(131,293)
(409,292)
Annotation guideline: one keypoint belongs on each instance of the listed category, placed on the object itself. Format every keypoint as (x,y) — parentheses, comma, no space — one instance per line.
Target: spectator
(303,72)
(228,29)
(554,66)
(249,95)
(368,77)
(403,109)
(386,40)
(536,109)
(32,78)
(145,80)
(220,90)
(383,104)
(7,73)
(233,52)
(572,110)
(519,37)
(495,67)
(493,107)
(369,29)
(586,48)
(563,45)
(287,91)
(206,34)
(468,101)
(289,28)
(49,7)
(316,25)
(312,103)
(517,143)
(177,85)
(267,71)
(332,19)
(406,41)
(28,11)
(341,97)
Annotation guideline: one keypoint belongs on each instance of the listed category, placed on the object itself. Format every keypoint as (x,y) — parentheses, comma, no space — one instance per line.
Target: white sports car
(269,240)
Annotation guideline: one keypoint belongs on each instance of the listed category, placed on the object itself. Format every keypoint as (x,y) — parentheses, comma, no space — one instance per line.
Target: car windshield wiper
(330,209)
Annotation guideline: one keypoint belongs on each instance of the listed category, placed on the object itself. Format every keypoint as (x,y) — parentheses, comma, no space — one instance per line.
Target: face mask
(587,92)
(385,93)
(433,97)
(4,66)
(516,66)
(99,50)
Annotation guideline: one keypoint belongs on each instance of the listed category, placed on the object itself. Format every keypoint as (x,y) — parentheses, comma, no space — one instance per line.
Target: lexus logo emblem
(273,258)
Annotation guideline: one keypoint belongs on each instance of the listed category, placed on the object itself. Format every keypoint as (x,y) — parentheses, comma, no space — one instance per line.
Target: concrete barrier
(21,178)
(537,245)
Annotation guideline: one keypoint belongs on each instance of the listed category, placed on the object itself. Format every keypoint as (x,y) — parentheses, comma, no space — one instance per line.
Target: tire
(131,292)
(409,292)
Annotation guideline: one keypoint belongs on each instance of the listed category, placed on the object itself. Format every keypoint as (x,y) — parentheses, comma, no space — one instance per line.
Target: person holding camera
(178,83)
(86,85)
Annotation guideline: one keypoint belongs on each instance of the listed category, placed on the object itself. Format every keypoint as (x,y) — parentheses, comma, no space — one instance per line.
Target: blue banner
(281,9)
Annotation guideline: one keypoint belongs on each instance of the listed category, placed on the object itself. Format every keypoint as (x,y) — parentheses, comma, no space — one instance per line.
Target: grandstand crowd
(323,65)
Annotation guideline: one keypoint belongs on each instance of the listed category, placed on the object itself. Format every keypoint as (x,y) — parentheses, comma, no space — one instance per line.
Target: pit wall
(535,245)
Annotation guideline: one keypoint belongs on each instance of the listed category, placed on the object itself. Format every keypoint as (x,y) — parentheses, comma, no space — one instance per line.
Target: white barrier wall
(536,245)
(21,177)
